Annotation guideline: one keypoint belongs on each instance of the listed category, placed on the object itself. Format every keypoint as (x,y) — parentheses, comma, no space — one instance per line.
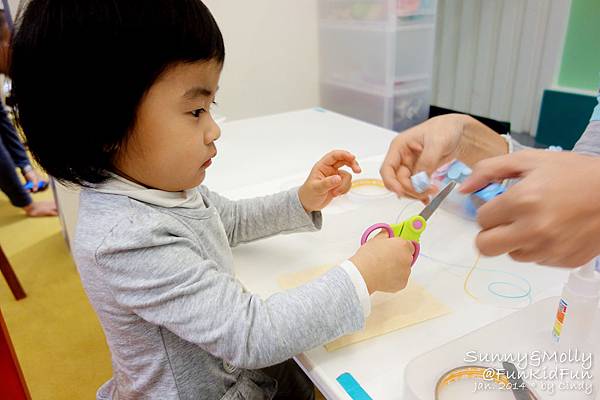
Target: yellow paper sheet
(389,311)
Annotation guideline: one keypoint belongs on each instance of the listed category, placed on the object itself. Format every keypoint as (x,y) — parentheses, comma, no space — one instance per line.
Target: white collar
(116,184)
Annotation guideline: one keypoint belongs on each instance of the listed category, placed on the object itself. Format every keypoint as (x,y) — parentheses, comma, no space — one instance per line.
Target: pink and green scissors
(412,228)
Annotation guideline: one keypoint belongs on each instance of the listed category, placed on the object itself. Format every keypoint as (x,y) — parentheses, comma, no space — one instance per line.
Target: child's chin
(199,178)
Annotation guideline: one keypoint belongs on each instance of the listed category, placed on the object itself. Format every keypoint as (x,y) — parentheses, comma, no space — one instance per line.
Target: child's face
(172,142)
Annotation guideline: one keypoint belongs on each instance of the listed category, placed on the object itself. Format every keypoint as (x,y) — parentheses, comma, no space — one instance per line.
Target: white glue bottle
(573,329)
(577,307)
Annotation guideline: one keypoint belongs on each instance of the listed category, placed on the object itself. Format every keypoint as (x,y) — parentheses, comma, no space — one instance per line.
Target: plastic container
(374,50)
(518,334)
(414,51)
(411,104)
(414,9)
(457,203)
(357,54)
(355,10)
(376,55)
(375,10)
(399,112)
(376,108)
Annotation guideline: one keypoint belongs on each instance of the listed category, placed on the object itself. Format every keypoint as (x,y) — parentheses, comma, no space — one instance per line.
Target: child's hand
(384,263)
(326,181)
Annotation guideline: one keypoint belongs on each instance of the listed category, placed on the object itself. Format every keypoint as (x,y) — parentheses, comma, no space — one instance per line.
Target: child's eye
(196,113)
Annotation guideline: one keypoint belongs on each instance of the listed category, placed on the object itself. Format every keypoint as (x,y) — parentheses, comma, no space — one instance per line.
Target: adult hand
(435,142)
(425,147)
(551,216)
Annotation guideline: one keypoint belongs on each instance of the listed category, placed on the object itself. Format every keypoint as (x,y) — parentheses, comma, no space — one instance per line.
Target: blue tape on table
(352,387)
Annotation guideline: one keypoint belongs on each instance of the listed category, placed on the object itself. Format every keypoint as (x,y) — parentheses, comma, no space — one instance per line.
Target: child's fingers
(326,184)
(353,165)
(339,158)
(346,184)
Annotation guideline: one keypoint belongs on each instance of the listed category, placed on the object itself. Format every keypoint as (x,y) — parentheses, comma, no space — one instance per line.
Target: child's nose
(214,132)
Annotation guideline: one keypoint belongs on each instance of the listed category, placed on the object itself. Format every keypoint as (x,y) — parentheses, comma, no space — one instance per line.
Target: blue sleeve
(596,113)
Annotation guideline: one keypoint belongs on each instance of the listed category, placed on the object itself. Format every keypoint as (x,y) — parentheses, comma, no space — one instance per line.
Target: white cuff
(510,142)
(359,285)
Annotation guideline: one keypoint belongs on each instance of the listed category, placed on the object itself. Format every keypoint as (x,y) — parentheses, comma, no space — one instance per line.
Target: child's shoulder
(107,209)
(104,218)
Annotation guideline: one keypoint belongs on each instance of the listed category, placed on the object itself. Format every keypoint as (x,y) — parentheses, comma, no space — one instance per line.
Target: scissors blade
(437,200)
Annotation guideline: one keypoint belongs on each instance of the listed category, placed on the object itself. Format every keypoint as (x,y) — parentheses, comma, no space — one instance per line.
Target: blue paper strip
(352,387)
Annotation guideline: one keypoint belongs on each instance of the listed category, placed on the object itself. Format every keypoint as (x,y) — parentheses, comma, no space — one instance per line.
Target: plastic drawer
(356,103)
(356,10)
(407,10)
(414,51)
(357,54)
(411,105)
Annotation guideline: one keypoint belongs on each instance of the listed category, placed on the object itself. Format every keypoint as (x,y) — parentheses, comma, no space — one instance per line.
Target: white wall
(271,60)
(272,55)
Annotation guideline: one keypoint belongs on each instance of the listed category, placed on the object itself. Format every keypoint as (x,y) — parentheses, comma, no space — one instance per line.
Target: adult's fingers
(390,179)
(408,190)
(430,158)
(499,211)
(401,154)
(528,255)
(389,168)
(501,239)
(495,169)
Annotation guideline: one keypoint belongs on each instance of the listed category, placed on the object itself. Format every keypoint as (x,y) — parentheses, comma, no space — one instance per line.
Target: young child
(115,96)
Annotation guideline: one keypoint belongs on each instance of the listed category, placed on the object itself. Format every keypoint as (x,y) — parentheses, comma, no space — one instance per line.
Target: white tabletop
(263,155)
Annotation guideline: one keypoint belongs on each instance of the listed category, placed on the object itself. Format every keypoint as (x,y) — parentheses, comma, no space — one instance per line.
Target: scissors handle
(412,228)
(372,228)
(400,231)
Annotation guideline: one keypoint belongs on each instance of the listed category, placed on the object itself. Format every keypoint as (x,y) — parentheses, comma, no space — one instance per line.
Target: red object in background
(12,384)
(11,277)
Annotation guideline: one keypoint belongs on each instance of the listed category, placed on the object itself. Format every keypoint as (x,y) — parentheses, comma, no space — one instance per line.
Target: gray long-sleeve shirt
(589,143)
(178,323)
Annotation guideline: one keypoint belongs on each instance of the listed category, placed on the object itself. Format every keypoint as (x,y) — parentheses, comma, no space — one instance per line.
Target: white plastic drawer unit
(414,51)
(411,104)
(375,54)
(357,53)
(376,59)
(375,10)
(356,10)
(359,103)
(408,106)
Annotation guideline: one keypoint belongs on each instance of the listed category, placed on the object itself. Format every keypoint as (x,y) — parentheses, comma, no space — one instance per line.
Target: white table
(263,155)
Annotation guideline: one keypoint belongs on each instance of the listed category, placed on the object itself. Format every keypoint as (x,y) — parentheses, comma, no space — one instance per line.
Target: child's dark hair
(81,67)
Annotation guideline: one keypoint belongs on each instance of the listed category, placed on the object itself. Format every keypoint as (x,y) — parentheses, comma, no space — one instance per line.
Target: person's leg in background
(11,185)
(11,140)
(12,143)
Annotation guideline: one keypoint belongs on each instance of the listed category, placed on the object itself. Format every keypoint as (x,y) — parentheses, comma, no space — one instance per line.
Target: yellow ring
(367,182)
